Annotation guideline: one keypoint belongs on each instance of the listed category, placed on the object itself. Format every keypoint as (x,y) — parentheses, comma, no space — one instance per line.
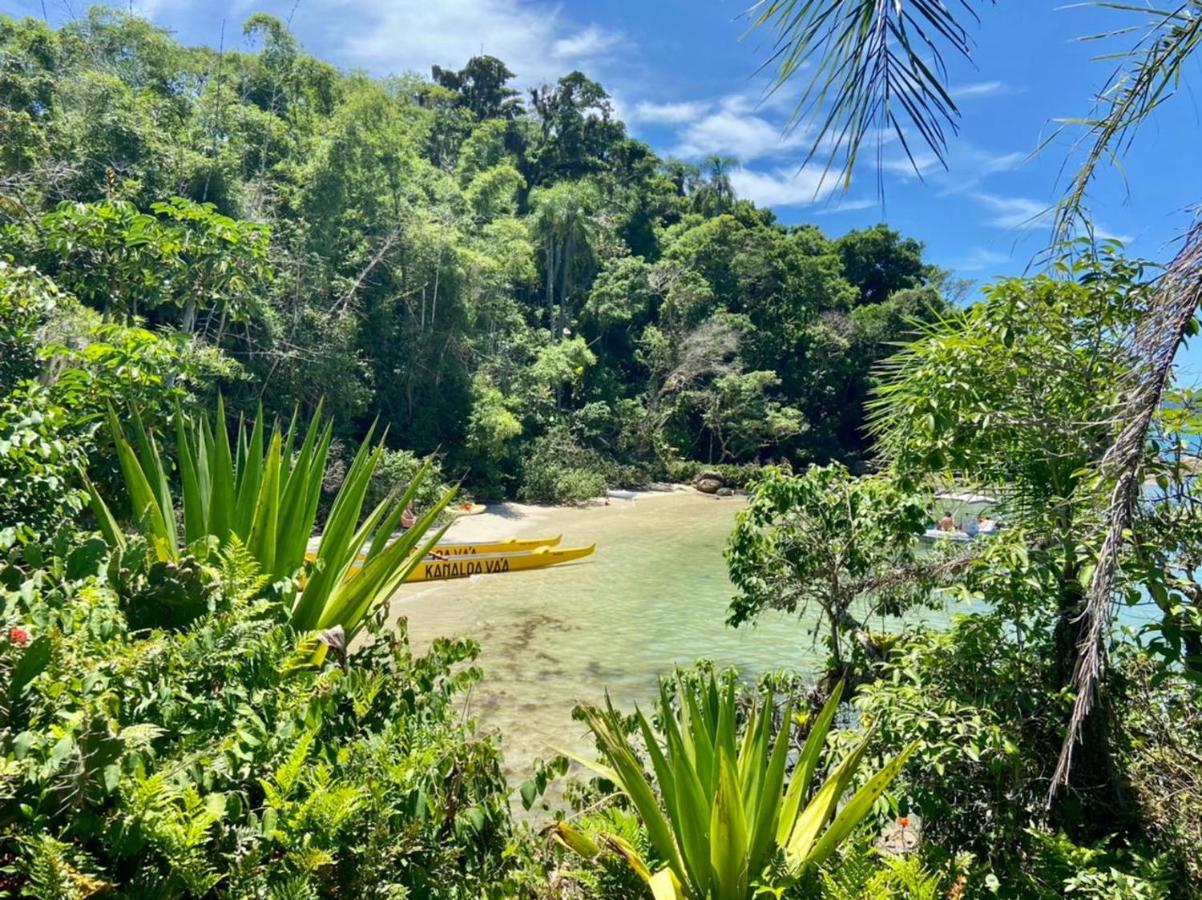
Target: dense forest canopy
(510,279)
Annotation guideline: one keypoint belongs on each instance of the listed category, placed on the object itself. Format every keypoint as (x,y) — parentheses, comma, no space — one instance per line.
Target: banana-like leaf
(819,811)
(195,526)
(857,808)
(725,810)
(628,853)
(266,496)
(221,468)
(803,772)
(143,499)
(633,782)
(665,886)
(768,805)
(728,835)
(109,529)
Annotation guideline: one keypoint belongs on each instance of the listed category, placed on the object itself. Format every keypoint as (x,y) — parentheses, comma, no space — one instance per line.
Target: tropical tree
(716,195)
(563,218)
(827,542)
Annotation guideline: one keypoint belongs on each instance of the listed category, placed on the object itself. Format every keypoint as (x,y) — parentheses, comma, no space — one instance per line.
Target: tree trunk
(565,266)
(551,285)
(188,325)
(1096,805)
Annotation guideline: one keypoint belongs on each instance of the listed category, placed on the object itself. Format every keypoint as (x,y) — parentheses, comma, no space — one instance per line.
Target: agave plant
(264,489)
(723,812)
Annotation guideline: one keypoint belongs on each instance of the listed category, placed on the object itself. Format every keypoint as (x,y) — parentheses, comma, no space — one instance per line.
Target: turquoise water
(653,596)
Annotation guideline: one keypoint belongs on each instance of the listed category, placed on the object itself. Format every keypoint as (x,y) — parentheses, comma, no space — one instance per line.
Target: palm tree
(564,219)
(716,195)
(877,67)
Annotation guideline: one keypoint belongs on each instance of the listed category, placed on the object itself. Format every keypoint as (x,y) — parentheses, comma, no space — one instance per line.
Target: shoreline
(511,518)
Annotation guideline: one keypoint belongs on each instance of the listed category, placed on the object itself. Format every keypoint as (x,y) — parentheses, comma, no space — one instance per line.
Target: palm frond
(1146,77)
(877,66)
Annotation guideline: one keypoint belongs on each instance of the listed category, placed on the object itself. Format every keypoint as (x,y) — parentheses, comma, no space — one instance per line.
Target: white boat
(933,535)
(961,497)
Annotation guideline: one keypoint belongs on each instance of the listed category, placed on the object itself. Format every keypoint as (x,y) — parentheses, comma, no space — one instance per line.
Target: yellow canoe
(464,567)
(478,548)
(482,548)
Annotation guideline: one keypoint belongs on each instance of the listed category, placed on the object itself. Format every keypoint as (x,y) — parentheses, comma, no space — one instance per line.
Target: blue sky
(683,74)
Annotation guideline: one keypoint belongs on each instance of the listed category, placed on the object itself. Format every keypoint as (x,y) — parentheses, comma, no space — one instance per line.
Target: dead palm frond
(1166,324)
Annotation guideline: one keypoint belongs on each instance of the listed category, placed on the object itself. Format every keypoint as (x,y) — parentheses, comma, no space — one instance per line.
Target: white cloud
(922,164)
(668,113)
(538,41)
(734,129)
(587,44)
(978,259)
(784,186)
(967,166)
(979,89)
(848,205)
(1024,213)
(1015,212)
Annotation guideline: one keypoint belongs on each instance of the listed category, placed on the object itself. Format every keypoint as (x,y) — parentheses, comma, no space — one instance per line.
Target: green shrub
(723,813)
(38,486)
(214,759)
(558,470)
(398,468)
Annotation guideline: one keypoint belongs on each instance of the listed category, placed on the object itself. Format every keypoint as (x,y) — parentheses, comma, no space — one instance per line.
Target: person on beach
(408,520)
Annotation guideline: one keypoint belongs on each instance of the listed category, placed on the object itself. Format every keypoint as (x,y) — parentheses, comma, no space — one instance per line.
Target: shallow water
(653,595)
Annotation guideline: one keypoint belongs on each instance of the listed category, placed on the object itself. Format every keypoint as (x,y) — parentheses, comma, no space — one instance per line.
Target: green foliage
(38,490)
(1014,392)
(413,248)
(559,470)
(126,262)
(860,871)
(723,811)
(177,763)
(265,493)
(826,542)
(27,302)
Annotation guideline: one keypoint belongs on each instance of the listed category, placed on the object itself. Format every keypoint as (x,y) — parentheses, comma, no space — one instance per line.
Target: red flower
(18,635)
(904,821)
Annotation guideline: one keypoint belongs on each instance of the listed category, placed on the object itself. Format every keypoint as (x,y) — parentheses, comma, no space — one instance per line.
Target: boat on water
(485,548)
(462,560)
(934,535)
(494,564)
(478,548)
(965,497)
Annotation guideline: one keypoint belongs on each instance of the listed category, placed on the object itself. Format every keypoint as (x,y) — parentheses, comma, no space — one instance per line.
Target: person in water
(947,523)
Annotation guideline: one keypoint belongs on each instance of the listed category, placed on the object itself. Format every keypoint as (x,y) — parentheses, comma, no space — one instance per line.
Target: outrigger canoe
(494,564)
(479,548)
(482,548)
